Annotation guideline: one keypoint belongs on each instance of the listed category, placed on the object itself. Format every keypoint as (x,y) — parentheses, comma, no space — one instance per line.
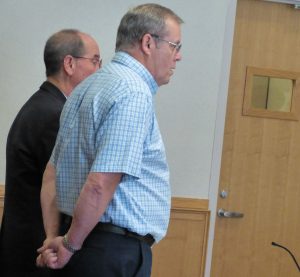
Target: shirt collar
(129,61)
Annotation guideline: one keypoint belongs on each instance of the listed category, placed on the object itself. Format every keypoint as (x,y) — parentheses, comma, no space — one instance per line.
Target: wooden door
(260,168)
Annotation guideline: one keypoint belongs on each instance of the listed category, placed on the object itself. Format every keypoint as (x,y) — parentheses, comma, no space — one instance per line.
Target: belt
(111,228)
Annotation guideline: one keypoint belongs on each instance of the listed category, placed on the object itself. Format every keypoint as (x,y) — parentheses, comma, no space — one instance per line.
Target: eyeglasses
(94,60)
(176,46)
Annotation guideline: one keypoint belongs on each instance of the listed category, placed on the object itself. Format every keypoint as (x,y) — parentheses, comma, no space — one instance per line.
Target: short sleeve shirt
(109,125)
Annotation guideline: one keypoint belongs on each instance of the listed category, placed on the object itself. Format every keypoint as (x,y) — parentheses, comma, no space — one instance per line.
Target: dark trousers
(41,272)
(105,254)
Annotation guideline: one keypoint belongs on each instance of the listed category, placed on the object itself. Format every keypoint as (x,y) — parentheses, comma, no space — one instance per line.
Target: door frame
(219,128)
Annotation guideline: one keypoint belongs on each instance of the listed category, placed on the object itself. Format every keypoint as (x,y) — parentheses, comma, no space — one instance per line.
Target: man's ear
(69,65)
(147,43)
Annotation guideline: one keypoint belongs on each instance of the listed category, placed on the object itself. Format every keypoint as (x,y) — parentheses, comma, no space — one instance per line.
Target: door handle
(228,214)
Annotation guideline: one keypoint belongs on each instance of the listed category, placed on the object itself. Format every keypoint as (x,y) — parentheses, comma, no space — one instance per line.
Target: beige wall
(187,107)
(191,109)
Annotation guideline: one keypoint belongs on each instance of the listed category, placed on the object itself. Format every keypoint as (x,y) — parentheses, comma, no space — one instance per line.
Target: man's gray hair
(143,19)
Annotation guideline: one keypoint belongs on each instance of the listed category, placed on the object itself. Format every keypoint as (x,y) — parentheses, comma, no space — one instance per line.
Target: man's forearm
(48,202)
(92,203)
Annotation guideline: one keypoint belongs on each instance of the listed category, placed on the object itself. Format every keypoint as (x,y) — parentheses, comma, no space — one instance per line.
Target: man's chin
(165,81)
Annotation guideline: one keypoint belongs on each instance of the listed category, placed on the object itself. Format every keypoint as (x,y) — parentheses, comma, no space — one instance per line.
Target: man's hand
(39,259)
(53,254)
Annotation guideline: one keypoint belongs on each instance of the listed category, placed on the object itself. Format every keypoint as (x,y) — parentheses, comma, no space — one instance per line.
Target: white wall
(187,107)
(191,109)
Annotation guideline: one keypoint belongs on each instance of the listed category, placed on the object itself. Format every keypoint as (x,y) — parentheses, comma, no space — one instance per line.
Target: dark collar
(50,88)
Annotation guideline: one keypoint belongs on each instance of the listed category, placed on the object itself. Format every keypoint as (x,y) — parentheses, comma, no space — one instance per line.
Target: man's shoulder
(38,107)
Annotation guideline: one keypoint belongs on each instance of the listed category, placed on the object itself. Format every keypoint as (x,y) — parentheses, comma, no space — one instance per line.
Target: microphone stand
(276,244)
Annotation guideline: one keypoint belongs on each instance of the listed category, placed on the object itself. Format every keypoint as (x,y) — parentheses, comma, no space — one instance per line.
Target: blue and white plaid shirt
(108,124)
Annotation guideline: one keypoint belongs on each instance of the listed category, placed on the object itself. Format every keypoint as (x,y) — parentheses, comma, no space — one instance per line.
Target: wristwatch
(68,246)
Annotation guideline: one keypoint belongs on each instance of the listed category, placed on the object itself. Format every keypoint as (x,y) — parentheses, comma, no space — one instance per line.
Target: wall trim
(2,190)
(189,204)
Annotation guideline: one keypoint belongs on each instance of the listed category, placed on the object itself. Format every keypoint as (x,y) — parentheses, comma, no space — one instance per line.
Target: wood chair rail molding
(2,191)
(189,204)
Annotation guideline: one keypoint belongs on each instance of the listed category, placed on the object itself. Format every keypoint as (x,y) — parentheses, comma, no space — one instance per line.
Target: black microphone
(276,244)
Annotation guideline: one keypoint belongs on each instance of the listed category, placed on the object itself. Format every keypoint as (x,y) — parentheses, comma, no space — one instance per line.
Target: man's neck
(62,85)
